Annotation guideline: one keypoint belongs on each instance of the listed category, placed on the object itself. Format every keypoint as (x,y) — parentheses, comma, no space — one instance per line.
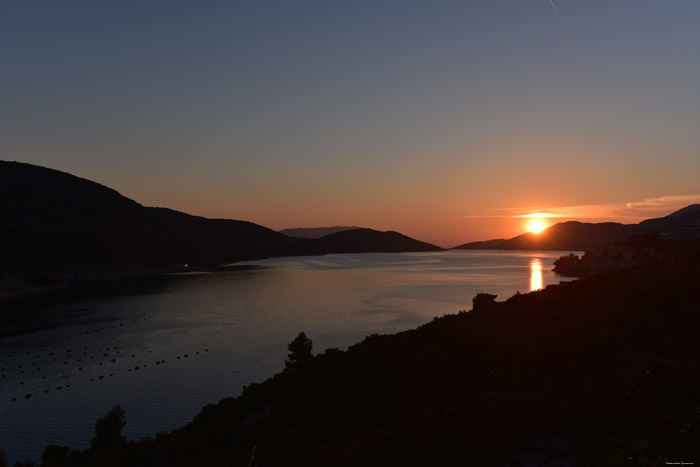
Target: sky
(449,121)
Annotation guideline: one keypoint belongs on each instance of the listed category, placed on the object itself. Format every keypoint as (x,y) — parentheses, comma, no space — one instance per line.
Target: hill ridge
(53,219)
(580,236)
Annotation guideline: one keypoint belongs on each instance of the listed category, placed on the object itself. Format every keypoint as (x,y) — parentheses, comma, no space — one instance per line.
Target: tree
(570,265)
(108,430)
(482,300)
(299,351)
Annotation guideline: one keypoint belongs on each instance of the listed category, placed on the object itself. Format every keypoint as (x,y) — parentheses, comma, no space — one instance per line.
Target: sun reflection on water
(535,274)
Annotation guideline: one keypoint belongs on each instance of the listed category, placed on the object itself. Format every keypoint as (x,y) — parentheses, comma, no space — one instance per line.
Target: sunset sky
(449,121)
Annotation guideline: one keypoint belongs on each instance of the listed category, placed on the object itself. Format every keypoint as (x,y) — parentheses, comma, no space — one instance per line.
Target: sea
(198,337)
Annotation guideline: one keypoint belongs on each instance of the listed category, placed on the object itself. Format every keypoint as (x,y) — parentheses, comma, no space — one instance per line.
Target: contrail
(566,30)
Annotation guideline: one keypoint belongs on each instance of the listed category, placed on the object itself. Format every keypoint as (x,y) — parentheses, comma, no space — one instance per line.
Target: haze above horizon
(449,122)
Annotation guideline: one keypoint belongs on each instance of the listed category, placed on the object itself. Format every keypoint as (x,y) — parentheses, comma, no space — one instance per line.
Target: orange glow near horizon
(536,225)
(539,215)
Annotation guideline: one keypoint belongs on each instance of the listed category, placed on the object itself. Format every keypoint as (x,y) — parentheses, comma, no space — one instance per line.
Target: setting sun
(536,225)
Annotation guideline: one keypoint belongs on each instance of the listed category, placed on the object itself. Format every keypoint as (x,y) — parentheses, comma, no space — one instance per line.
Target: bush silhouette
(482,300)
(55,456)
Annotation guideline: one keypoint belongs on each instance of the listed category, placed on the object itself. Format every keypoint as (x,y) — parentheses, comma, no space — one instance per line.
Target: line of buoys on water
(69,351)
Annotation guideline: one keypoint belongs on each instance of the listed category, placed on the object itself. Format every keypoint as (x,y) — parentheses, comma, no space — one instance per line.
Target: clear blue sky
(433,117)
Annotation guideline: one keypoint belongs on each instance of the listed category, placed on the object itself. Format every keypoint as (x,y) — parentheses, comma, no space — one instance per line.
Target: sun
(536,225)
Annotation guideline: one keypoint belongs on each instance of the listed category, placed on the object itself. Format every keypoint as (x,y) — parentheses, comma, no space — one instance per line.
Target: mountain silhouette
(51,219)
(581,236)
(314,232)
(368,240)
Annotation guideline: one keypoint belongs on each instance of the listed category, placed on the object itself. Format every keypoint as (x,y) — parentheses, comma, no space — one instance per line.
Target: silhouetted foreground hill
(368,241)
(581,236)
(51,219)
(315,232)
(596,372)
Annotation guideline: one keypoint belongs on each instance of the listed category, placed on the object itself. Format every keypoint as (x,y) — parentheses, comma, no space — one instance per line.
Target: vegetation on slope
(601,371)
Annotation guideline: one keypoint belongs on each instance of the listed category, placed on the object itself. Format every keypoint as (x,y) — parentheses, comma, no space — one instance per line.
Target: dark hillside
(51,219)
(31,193)
(689,215)
(368,241)
(581,236)
(570,235)
(316,232)
(601,371)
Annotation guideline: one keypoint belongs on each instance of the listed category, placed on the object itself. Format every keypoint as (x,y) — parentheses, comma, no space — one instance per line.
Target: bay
(200,337)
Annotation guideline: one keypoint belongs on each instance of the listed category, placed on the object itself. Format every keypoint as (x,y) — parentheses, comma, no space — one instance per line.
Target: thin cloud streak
(634,211)
(563,25)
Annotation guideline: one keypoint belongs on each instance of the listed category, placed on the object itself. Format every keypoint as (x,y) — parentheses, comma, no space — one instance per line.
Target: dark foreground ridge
(600,371)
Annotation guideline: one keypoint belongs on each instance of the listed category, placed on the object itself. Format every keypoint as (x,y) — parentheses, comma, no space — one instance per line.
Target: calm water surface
(202,337)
